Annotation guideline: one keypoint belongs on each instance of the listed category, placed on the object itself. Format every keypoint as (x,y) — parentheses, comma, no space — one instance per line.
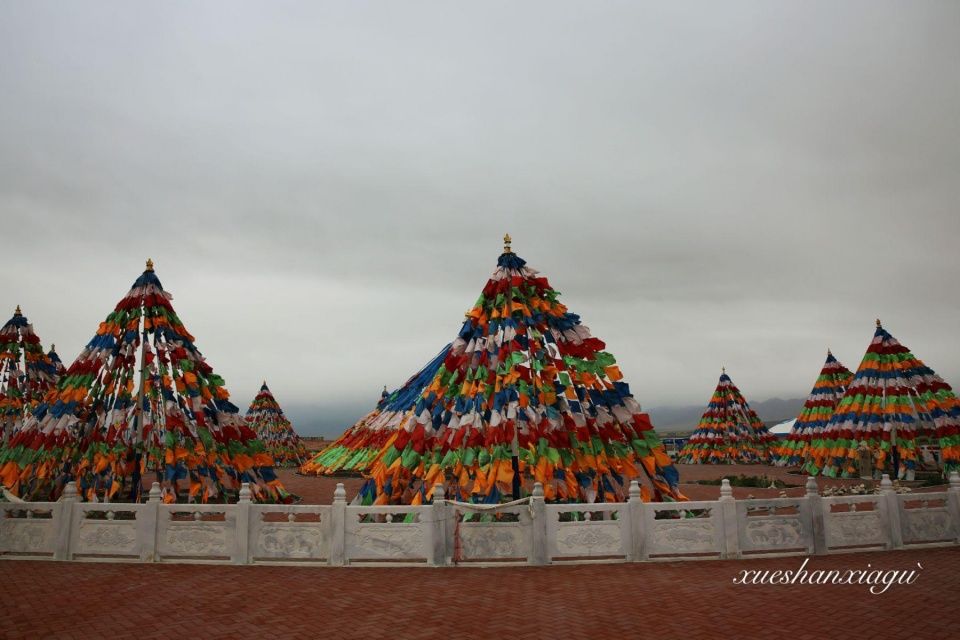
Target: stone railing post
(635,507)
(538,510)
(338,527)
(147,518)
(953,503)
(64,519)
(242,523)
(891,504)
(438,522)
(731,529)
(814,505)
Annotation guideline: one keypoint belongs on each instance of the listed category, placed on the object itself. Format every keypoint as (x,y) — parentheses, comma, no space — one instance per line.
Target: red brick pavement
(688,600)
(317,489)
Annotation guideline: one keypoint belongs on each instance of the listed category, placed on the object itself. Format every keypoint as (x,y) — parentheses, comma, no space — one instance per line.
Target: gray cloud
(324,185)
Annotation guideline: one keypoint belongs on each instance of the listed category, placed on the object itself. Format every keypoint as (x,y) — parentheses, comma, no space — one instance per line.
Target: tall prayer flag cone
(523,380)
(27,375)
(894,403)
(729,432)
(141,397)
(266,418)
(807,431)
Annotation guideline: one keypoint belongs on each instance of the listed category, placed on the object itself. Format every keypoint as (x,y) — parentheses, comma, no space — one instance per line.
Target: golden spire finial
(878,322)
(723,369)
(506,243)
(149,264)
(53,347)
(17,311)
(829,353)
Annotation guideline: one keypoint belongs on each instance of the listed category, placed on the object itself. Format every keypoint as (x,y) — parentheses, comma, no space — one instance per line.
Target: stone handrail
(445,532)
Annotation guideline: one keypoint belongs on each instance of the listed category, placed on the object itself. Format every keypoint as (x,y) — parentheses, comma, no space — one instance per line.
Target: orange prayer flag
(480,483)
(100,462)
(662,457)
(549,493)
(431,477)
(505,472)
(9,473)
(649,464)
(613,372)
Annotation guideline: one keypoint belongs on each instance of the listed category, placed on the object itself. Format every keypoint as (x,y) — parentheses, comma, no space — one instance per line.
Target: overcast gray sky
(324,186)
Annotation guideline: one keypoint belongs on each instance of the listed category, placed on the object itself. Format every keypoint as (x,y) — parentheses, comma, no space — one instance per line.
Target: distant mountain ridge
(332,419)
(685,418)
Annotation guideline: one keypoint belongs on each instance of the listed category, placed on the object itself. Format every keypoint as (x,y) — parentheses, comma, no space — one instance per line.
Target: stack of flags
(266,418)
(729,432)
(27,375)
(807,430)
(523,393)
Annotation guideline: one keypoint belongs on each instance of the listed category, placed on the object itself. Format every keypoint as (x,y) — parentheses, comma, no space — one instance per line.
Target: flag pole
(515,445)
(894,451)
(135,490)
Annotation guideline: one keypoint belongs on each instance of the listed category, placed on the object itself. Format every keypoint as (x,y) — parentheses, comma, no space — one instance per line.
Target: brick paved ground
(691,600)
(314,490)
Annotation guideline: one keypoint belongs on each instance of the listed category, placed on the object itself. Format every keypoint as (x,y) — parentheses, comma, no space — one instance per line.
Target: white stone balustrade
(448,532)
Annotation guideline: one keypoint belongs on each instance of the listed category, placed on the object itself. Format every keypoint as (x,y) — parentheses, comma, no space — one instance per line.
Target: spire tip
(878,322)
(17,312)
(149,264)
(506,243)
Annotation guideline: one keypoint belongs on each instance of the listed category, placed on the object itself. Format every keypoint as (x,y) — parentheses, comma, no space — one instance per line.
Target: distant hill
(685,418)
(778,409)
